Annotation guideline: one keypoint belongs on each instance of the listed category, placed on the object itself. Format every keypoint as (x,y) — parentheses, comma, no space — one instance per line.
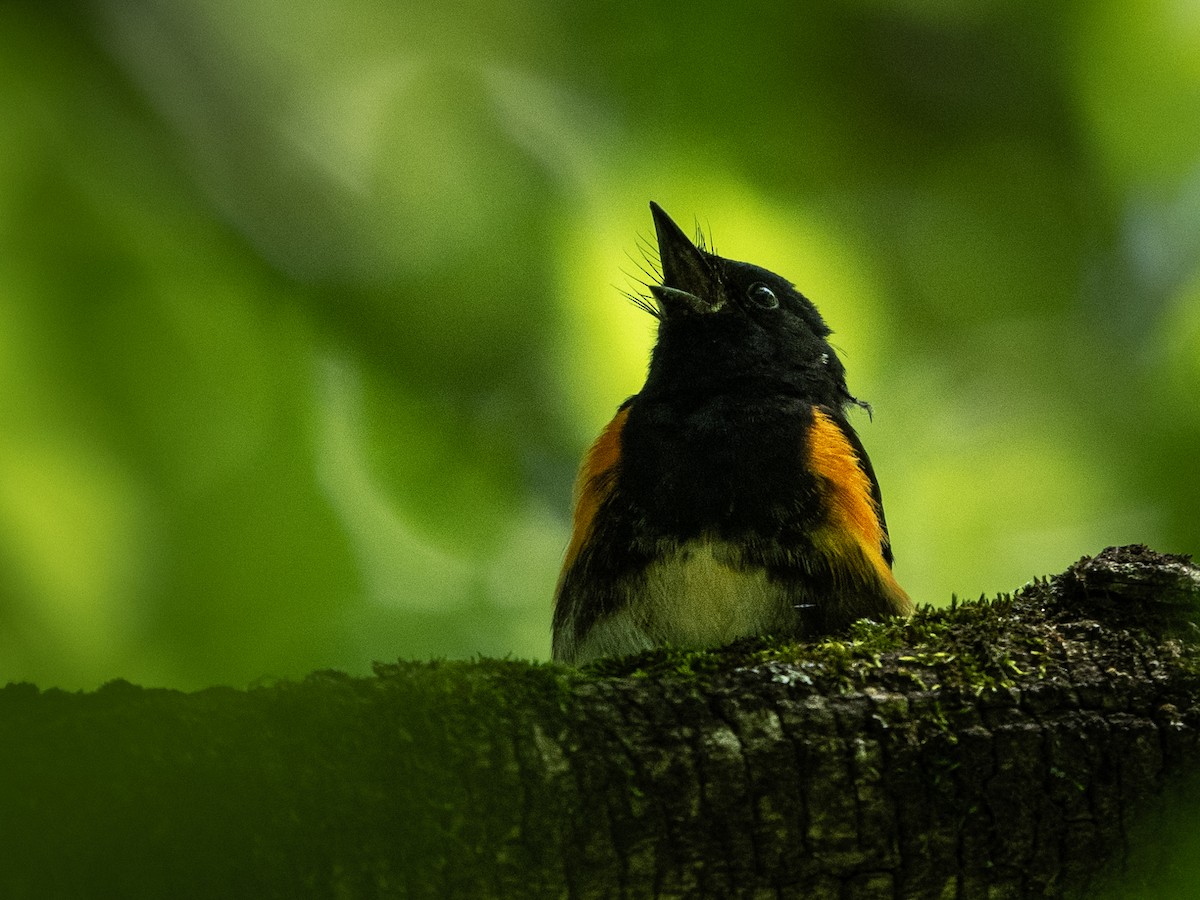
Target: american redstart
(730,496)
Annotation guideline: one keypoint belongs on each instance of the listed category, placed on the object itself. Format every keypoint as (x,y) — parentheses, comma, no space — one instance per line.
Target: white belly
(696,598)
(693,597)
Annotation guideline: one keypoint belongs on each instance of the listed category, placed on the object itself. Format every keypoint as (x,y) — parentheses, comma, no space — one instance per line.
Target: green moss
(972,648)
(978,646)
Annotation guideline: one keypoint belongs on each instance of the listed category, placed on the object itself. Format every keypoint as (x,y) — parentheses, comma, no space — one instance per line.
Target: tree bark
(1001,748)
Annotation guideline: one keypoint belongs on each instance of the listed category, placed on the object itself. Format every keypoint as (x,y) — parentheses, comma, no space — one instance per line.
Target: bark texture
(1003,748)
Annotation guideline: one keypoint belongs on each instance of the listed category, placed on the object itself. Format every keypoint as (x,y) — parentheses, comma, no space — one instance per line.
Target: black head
(724,324)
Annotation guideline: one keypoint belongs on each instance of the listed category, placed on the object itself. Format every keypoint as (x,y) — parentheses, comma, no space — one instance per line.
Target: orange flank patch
(848,492)
(852,531)
(591,488)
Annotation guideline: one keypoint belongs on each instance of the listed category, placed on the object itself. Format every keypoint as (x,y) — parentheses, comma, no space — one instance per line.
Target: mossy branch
(997,748)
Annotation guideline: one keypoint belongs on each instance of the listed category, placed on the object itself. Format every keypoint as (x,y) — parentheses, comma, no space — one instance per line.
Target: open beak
(689,282)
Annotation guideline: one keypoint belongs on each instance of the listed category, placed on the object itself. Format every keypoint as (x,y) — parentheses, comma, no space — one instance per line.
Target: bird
(730,497)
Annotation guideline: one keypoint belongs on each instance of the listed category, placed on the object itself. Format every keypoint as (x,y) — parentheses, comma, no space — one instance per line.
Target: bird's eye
(763,296)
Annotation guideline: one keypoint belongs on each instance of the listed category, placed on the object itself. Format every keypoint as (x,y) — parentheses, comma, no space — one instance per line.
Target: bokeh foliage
(307,310)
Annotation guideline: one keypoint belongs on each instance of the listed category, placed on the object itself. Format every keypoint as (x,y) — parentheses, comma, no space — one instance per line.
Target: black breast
(724,465)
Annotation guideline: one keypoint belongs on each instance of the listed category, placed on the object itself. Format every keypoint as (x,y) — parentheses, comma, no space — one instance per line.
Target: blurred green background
(308,310)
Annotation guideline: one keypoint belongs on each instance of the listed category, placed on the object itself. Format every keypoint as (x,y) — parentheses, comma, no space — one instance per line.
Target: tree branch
(998,749)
